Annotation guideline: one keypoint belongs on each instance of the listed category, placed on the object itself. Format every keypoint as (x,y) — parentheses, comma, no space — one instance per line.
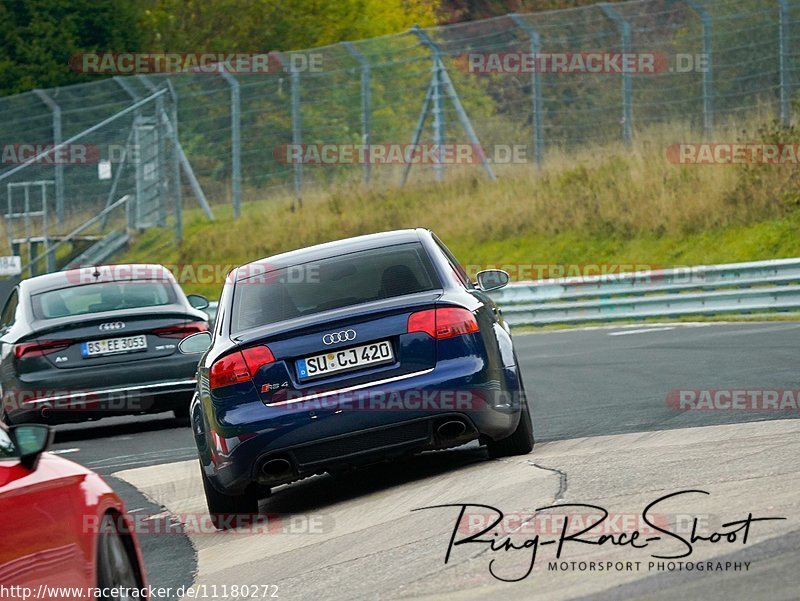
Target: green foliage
(776,187)
(608,206)
(38,37)
(266,25)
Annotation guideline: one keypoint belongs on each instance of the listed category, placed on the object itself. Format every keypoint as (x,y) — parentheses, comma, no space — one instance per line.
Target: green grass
(606,206)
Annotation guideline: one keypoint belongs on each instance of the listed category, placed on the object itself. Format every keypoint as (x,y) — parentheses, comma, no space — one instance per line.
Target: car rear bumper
(79,405)
(348,427)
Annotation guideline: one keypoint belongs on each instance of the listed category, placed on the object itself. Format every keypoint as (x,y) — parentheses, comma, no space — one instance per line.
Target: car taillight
(444,322)
(239,366)
(37,349)
(181,331)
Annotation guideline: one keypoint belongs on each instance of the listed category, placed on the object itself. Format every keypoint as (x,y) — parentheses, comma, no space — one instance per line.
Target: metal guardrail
(102,215)
(735,288)
(101,251)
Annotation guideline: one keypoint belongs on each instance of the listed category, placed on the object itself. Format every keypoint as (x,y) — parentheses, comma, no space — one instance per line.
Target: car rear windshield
(332,283)
(101,297)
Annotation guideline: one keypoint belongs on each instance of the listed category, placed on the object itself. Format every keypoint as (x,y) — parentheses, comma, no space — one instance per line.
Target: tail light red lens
(181,331)
(257,357)
(37,349)
(239,366)
(444,322)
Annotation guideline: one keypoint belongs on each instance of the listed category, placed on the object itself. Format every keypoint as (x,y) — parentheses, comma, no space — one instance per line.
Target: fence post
(184,161)
(436,97)
(176,165)
(236,140)
(536,89)
(627,90)
(297,136)
(59,168)
(417,132)
(366,111)
(162,190)
(708,81)
(783,40)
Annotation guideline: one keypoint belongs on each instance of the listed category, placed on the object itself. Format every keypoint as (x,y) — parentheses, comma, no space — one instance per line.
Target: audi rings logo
(343,336)
(111,325)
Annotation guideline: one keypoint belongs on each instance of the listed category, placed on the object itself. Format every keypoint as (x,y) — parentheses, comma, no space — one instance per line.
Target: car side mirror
(30,441)
(195,344)
(492,279)
(198,301)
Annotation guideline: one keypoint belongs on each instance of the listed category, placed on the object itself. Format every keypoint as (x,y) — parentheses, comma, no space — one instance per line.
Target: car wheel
(181,412)
(4,418)
(115,570)
(521,441)
(223,508)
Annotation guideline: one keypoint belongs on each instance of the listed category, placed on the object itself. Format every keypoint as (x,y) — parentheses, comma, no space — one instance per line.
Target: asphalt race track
(606,435)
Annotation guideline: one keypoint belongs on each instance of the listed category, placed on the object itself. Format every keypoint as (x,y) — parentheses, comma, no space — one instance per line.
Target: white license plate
(343,360)
(112,346)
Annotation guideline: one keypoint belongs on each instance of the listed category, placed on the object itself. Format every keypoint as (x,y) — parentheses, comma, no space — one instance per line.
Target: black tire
(228,510)
(181,412)
(115,566)
(521,441)
(4,416)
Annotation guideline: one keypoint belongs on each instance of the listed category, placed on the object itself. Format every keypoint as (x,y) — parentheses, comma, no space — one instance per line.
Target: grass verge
(609,206)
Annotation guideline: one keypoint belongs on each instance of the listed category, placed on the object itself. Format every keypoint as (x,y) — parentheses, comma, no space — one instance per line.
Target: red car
(65,532)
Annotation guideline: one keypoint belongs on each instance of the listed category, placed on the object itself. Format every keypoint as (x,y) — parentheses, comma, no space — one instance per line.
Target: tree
(266,25)
(38,37)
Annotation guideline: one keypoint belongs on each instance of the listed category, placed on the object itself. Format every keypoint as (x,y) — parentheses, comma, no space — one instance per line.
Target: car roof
(328,249)
(96,273)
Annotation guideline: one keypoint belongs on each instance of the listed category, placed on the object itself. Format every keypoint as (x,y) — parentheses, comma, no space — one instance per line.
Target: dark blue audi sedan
(350,353)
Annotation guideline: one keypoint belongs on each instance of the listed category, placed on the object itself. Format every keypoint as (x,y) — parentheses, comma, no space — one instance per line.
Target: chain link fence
(508,90)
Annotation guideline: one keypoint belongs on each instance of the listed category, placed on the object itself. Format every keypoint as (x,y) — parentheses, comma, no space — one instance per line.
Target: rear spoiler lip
(39,327)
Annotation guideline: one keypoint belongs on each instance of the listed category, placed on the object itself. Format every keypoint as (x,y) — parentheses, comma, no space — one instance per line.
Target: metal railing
(735,288)
(105,241)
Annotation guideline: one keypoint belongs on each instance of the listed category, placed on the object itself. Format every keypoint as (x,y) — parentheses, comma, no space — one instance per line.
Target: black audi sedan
(97,342)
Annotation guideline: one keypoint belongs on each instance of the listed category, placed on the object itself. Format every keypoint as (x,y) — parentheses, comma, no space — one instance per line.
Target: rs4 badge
(274,386)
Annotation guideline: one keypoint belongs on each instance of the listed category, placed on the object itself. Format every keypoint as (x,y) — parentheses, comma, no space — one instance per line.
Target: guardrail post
(236,140)
(536,89)
(436,97)
(708,80)
(59,168)
(366,111)
(783,40)
(627,89)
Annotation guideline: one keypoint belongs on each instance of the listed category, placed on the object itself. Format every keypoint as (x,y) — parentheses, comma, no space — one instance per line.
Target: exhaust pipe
(451,429)
(276,469)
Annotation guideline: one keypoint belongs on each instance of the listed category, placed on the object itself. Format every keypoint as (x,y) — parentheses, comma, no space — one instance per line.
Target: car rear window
(332,283)
(101,297)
